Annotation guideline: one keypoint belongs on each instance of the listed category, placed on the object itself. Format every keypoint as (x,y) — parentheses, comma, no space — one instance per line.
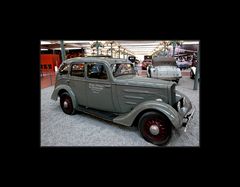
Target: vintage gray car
(164,68)
(108,88)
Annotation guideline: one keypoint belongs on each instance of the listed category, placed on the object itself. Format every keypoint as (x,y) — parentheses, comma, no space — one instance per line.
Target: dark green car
(108,88)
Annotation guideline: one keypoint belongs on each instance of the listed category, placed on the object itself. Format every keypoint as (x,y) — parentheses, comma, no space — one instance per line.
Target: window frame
(90,78)
(77,63)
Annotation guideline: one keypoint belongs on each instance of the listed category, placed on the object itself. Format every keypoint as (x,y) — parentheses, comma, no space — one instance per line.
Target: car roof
(96,59)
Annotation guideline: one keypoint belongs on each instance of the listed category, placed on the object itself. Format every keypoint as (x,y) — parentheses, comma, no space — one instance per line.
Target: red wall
(49,60)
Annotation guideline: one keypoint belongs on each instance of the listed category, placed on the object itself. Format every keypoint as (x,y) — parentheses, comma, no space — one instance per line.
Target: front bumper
(188,118)
(185,109)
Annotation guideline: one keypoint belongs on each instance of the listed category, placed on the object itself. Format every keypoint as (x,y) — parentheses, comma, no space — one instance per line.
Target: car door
(78,83)
(99,87)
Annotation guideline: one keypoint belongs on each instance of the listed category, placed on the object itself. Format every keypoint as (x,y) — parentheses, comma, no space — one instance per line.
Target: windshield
(122,69)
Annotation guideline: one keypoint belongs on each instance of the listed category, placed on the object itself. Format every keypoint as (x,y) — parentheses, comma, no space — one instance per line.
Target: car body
(183,64)
(164,68)
(109,89)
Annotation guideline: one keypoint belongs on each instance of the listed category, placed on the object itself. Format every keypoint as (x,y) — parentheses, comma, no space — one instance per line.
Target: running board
(108,116)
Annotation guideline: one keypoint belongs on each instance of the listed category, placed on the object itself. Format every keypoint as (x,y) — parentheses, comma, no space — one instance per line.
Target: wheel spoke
(155,129)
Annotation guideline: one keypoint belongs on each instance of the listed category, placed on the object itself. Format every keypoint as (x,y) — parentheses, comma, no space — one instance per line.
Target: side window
(63,69)
(96,71)
(77,70)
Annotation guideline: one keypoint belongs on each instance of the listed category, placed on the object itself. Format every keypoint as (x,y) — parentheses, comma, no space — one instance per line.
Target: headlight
(178,105)
(184,101)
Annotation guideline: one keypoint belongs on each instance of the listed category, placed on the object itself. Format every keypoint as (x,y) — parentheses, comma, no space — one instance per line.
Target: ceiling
(127,47)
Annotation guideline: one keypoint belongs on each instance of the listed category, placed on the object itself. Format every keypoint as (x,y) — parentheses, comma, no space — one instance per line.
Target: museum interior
(153,63)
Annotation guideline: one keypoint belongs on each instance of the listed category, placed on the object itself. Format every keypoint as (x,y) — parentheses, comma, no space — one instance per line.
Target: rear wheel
(66,104)
(155,128)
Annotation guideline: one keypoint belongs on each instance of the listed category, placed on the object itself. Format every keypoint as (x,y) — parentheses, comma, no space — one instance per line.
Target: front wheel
(177,80)
(66,104)
(155,128)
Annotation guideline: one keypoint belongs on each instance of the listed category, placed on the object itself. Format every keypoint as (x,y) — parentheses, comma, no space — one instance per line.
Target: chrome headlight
(184,101)
(179,105)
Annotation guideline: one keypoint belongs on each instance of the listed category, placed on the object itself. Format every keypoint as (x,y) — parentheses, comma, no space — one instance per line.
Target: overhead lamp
(77,41)
(191,42)
(45,43)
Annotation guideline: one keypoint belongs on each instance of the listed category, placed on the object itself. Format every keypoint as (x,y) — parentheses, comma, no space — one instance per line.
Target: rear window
(96,71)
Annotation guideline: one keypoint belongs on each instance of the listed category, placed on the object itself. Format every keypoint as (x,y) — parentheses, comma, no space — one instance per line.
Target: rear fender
(56,91)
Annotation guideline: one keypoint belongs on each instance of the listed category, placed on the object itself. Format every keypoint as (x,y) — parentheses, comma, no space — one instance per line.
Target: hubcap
(65,104)
(154,129)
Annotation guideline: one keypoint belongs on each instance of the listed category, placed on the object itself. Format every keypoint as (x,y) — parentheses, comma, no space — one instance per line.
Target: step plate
(108,116)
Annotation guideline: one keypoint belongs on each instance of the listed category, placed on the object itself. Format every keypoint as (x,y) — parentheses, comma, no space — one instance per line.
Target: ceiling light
(79,41)
(191,42)
(45,42)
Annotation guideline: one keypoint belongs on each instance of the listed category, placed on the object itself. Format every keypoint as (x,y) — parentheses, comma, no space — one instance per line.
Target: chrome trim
(132,97)
(130,103)
(189,119)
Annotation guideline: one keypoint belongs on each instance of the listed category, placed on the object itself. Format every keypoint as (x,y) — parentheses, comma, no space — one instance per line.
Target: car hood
(142,81)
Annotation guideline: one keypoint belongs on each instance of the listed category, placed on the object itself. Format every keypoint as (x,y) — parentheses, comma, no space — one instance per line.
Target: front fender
(68,89)
(167,110)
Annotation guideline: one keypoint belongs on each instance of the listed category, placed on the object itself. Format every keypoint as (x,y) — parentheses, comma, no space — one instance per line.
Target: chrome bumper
(188,118)
(186,111)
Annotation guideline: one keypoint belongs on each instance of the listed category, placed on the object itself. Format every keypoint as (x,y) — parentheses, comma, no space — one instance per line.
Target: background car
(164,68)
(183,64)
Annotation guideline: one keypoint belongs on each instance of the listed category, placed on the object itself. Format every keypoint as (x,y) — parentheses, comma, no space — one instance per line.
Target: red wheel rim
(67,109)
(160,125)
